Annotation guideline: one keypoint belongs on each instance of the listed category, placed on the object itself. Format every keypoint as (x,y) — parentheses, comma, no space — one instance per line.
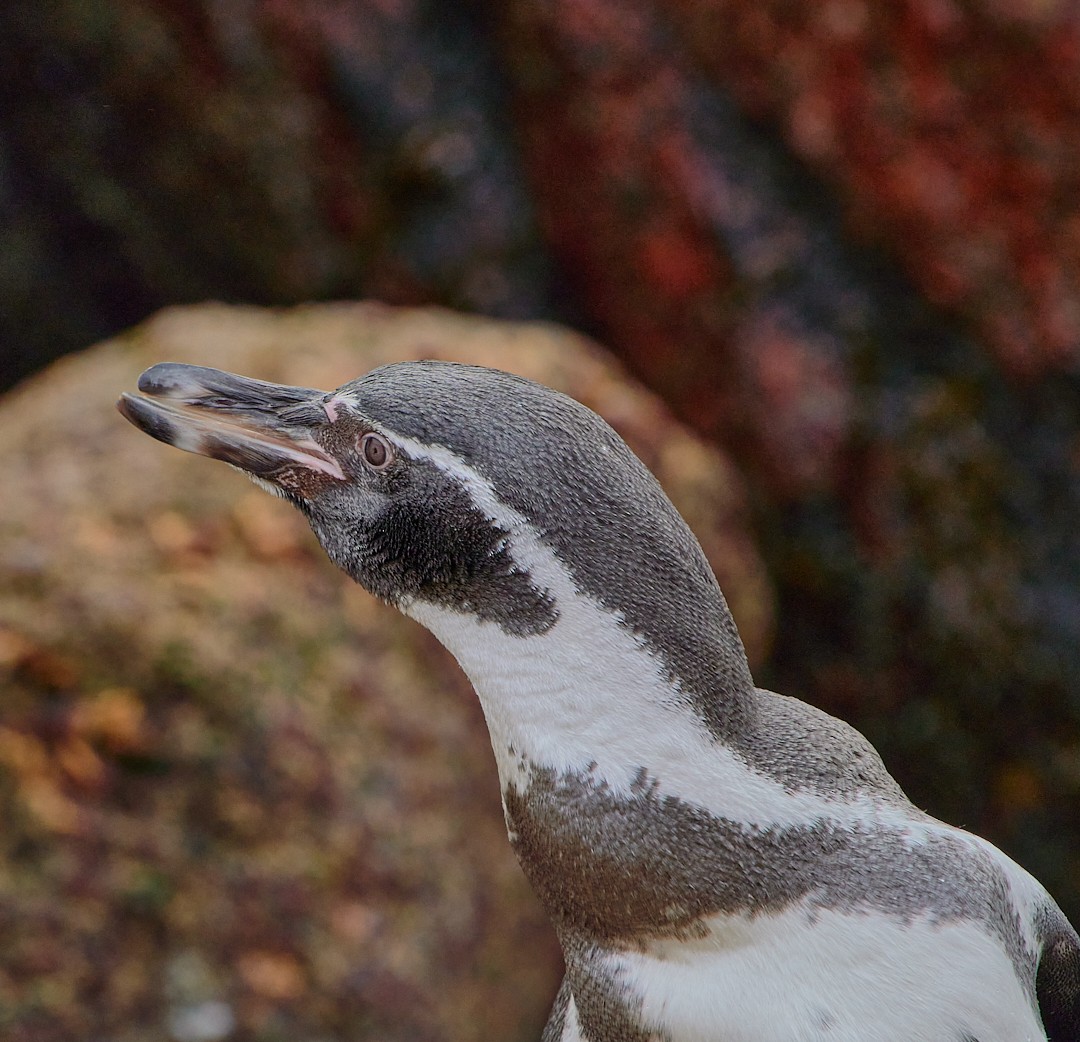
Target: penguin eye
(376,451)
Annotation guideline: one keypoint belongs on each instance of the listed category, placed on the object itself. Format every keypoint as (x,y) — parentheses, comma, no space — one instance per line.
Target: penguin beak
(264,429)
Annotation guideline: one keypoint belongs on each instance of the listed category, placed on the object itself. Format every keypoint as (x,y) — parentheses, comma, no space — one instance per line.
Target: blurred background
(838,241)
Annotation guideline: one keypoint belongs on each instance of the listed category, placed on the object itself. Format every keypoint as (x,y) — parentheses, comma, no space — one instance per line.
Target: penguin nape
(719,862)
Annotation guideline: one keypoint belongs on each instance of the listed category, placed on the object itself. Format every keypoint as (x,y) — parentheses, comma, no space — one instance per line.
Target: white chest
(830,977)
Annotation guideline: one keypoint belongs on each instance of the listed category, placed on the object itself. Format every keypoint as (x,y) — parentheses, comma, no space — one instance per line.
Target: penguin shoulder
(804,748)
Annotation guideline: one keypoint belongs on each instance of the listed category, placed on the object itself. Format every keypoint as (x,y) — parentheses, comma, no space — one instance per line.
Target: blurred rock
(241,798)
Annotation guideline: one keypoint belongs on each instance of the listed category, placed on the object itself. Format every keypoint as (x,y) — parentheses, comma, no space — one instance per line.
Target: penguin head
(455,487)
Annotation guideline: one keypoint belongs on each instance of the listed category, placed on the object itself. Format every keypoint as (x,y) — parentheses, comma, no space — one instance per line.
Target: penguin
(720,863)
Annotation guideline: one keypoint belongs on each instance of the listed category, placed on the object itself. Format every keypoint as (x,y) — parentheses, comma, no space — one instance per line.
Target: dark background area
(841,239)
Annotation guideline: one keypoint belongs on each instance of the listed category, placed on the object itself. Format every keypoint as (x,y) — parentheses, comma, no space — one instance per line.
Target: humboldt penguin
(719,862)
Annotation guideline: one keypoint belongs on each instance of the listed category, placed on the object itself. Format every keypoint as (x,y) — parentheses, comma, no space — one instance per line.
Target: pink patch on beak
(331,408)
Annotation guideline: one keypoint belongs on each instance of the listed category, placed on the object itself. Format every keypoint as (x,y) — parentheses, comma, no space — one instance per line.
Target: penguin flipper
(1057,982)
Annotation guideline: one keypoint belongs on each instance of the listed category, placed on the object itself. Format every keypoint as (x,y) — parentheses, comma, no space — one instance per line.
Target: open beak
(267,430)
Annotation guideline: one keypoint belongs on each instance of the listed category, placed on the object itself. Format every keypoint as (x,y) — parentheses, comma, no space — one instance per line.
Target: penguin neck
(640,669)
(587,696)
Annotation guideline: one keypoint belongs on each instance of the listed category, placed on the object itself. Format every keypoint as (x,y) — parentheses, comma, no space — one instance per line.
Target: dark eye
(376,451)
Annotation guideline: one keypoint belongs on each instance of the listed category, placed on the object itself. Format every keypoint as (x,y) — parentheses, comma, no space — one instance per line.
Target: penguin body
(719,862)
